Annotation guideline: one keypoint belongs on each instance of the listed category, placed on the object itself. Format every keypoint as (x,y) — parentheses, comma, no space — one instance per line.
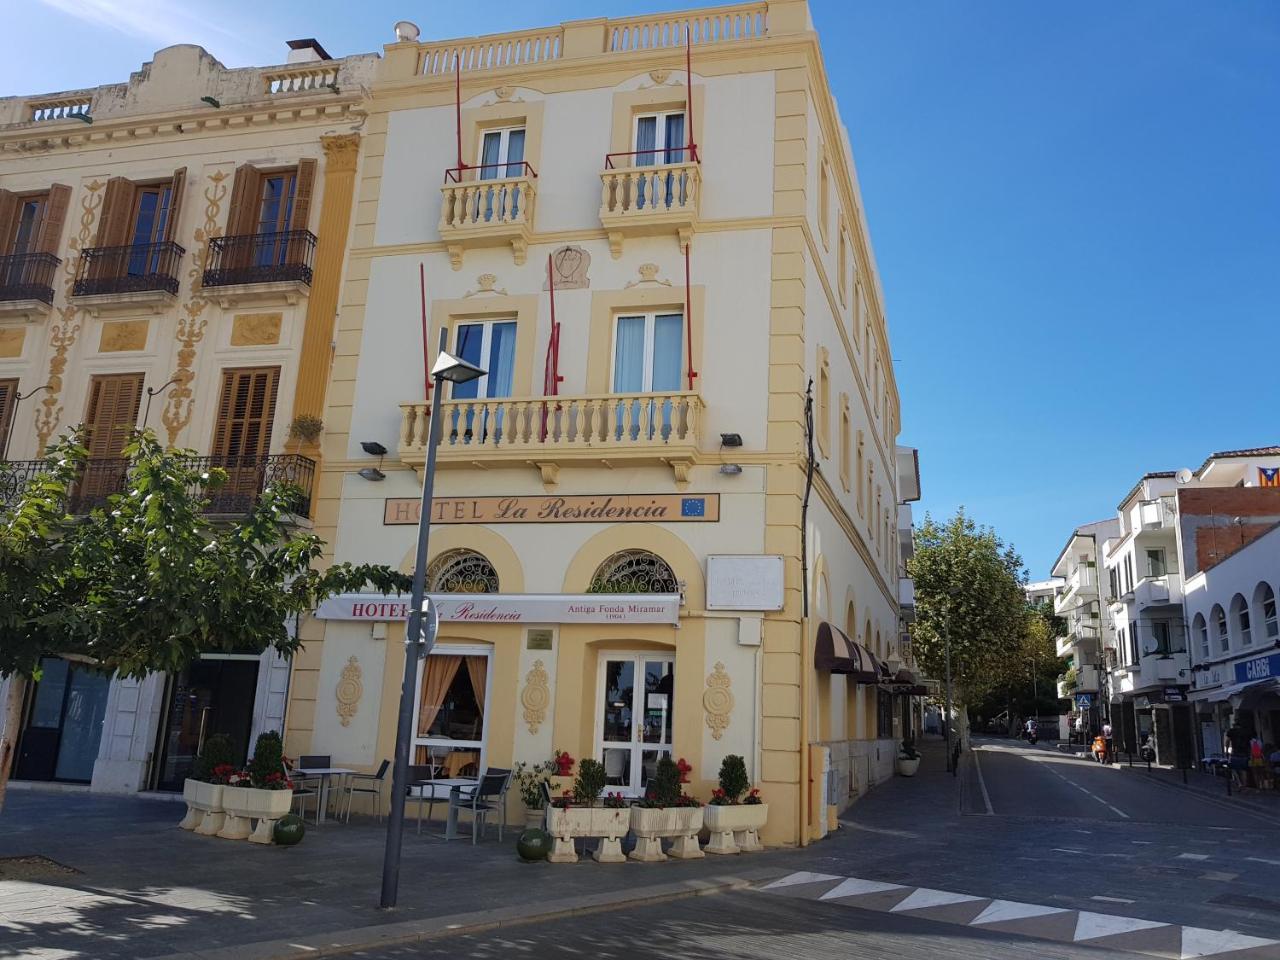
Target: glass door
(635,697)
(502,155)
(210,696)
(64,723)
(648,354)
(491,345)
(453,686)
(660,139)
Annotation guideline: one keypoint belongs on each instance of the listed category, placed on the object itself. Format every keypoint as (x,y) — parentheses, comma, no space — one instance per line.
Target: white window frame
(1222,628)
(636,747)
(456,650)
(650,326)
(660,145)
(504,148)
(1270,625)
(1163,560)
(486,342)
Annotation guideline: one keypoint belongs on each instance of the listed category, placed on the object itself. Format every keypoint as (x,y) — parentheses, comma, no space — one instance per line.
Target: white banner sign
(511,607)
(744,582)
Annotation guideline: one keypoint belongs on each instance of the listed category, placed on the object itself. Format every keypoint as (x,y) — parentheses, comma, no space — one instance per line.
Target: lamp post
(952,593)
(453,370)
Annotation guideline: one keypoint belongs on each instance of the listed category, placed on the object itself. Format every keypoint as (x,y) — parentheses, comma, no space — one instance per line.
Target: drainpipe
(805,663)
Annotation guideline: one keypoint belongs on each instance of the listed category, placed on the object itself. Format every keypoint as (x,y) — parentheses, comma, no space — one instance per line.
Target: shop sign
(605,508)
(511,607)
(1259,668)
(538,640)
(1209,677)
(744,582)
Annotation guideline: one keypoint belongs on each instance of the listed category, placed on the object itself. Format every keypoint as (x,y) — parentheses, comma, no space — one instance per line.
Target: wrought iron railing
(137,268)
(28,276)
(260,258)
(247,477)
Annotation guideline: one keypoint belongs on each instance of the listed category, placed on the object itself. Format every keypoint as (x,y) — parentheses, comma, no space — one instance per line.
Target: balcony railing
(632,189)
(605,423)
(479,210)
(1158,514)
(28,276)
(247,477)
(260,258)
(138,268)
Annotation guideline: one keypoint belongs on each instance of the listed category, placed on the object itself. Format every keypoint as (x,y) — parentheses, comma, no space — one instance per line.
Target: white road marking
(1192,856)
(925,897)
(1112,899)
(1274,863)
(1092,925)
(1001,910)
(1197,942)
(1218,875)
(982,783)
(853,887)
(802,877)
(1114,809)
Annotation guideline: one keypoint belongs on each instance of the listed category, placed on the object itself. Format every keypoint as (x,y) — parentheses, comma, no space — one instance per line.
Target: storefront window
(636,717)
(451,708)
(634,571)
(64,724)
(462,571)
(884,714)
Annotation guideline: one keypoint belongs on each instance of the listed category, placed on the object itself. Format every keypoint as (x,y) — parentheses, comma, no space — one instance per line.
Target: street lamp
(18,397)
(952,593)
(454,370)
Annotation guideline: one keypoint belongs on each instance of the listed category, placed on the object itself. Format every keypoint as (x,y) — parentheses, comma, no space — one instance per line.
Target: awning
(836,653)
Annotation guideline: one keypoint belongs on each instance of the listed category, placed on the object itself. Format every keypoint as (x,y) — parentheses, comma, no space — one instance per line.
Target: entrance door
(635,705)
(208,697)
(64,724)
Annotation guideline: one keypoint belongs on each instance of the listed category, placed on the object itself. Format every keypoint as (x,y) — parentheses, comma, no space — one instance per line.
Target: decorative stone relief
(11,341)
(717,701)
(485,283)
(536,696)
(569,265)
(505,95)
(121,335)
(349,691)
(659,76)
(256,329)
(649,274)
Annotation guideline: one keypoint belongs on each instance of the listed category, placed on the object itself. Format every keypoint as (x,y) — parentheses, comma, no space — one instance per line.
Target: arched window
(634,571)
(851,622)
(1201,631)
(462,571)
(1240,615)
(1220,628)
(1264,602)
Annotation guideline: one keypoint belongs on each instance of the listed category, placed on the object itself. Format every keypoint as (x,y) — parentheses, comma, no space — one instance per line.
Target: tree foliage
(968,587)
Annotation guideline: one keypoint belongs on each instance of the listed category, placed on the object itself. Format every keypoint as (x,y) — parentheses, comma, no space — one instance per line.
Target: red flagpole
(688,316)
(457,107)
(688,89)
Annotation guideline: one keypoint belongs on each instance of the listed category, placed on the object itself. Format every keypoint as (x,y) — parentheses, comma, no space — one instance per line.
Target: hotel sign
(607,508)
(510,607)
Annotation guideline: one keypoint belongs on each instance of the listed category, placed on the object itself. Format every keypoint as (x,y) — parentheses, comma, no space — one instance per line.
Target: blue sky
(1075,210)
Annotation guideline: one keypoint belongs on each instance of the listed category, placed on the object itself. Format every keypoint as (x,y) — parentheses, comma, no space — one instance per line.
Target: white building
(1089,636)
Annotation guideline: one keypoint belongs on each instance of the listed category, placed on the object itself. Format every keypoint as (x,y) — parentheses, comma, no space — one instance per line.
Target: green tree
(968,588)
(148,582)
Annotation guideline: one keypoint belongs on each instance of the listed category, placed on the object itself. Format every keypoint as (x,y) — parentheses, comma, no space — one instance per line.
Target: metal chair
(420,791)
(368,784)
(487,796)
(315,761)
(304,787)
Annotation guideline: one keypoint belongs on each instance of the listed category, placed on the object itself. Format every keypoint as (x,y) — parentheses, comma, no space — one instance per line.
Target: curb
(374,936)
(1234,803)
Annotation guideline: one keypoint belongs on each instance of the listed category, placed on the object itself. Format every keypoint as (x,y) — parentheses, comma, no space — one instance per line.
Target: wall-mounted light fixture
(730,439)
(212,101)
(372,473)
(374,449)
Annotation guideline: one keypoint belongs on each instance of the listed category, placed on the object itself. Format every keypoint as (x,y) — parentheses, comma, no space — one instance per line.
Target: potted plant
(306,428)
(736,814)
(203,789)
(576,815)
(908,758)
(531,780)
(666,811)
(261,793)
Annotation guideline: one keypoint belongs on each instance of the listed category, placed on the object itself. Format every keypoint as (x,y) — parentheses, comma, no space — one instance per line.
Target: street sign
(430,627)
(1084,701)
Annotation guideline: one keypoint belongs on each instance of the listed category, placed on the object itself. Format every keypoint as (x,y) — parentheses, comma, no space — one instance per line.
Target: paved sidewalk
(1208,785)
(141,887)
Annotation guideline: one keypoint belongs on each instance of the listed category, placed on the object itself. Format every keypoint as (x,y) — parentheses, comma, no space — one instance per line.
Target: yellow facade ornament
(341,151)
(349,691)
(486,283)
(717,700)
(536,696)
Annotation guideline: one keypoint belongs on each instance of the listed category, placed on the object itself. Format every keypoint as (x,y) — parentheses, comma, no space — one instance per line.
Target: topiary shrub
(268,759)
(665,785)
(733,777)
(589,783)
(217,752)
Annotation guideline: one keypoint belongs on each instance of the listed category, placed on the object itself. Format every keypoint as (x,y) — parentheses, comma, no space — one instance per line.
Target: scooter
(1099,749)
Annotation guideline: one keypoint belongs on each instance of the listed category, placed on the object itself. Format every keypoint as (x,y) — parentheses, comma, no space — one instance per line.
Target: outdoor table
(325,774)
(455,785)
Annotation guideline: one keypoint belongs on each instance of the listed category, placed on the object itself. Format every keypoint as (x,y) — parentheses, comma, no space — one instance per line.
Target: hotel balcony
(641,199)
(477,211)
(550,432)
(26,285)
(247,477)
(114,279)
(1158,591)
(259,267)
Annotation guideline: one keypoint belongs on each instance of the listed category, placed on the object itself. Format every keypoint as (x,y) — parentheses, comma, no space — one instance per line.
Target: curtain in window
(674,143)
(489,149)
(468,343)
(668,351)
(515,153)
(502,359)
(646,141)
(436,681)
(477,670)
(628,358)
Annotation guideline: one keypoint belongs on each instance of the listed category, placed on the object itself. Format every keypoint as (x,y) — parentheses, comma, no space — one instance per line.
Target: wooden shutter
(245,203)
(112,413)
(176,186)
(245,412)
(305,186)
(117,209)
(55,215)
(8,208)
(7,389)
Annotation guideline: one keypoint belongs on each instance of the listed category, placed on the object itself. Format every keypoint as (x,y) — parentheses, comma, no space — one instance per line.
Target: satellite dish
(406,32)
(1183,476)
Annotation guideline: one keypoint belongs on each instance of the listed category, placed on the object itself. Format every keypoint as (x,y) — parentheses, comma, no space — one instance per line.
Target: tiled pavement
(1106,931)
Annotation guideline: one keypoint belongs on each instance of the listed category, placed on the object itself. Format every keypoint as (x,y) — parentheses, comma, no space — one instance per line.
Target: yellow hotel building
(630,552)
(171,251)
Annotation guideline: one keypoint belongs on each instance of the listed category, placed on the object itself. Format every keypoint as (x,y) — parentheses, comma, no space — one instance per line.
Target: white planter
(533,818)
(736,827)
(908,767)
(652,824)
(204,807)
(245,804)
(608,824)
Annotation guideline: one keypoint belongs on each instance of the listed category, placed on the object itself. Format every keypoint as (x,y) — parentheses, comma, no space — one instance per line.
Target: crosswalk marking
(1205,943)
(853,887)
(802,877)
(1002,910)
(923,897)
(1090,926)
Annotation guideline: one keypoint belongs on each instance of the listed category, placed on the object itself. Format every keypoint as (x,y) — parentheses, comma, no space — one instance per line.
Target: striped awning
(836,653)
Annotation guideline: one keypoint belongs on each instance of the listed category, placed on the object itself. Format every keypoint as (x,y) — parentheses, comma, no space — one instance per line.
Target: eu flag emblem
(1269,476)
(693,506)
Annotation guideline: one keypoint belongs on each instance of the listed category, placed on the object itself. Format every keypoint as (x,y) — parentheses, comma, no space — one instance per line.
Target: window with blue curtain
(648,357)
(490,345)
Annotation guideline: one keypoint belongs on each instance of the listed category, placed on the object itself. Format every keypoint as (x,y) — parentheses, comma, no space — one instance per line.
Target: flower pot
(736,827)
(534,818)
(679,824)
(204,807)
(246,804)
(907,767)
(566,823)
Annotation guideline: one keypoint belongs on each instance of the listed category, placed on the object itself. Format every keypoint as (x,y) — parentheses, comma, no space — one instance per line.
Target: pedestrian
(1238,755)
(1257,762)
(1079,727)
(1106,739)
